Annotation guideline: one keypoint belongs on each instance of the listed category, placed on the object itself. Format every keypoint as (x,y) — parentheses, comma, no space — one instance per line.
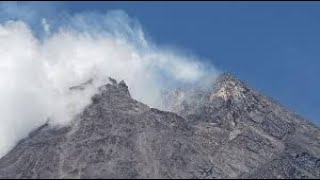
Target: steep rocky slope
(228,132)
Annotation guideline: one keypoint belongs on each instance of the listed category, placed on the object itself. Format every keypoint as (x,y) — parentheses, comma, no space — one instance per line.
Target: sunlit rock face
(227,131)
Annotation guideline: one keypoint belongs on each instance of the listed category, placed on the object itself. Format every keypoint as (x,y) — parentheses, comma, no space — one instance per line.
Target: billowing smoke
(36,72)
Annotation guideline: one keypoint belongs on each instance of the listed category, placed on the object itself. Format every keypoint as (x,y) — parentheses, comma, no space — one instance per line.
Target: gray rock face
(231,131)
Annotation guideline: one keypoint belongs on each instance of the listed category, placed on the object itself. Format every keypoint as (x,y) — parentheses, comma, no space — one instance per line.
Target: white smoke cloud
(36,74)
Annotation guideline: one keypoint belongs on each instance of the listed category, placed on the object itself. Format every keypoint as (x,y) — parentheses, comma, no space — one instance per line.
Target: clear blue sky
(274,46)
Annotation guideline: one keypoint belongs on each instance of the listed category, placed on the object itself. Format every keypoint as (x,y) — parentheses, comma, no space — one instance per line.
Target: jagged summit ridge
(225,91)
(237,133)
(229,87)
(121,86)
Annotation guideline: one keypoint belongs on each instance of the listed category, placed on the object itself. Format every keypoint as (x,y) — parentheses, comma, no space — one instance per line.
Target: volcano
(229,131)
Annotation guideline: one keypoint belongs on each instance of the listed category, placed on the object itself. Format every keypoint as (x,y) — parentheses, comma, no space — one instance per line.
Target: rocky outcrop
(231,131)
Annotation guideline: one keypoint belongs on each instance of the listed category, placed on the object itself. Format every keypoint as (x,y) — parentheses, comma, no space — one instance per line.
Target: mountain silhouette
(229,131)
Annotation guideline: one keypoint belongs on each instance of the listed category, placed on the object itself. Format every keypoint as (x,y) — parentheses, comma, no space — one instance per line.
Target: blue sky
(273,46)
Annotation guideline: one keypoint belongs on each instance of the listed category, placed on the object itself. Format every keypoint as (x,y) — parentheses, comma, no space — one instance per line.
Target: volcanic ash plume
(37,72)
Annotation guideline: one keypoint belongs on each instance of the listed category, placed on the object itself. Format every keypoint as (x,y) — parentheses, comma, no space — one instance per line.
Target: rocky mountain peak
(112,90)
(231,131)
(227,90)
(228,87)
